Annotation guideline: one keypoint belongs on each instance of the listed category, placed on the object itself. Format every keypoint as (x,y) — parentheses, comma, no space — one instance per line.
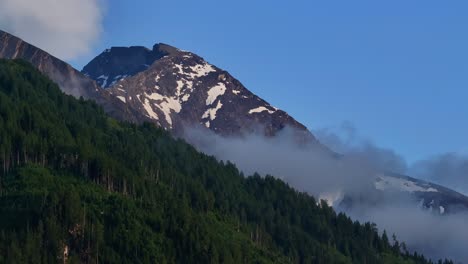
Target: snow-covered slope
(394,189)
(431,196)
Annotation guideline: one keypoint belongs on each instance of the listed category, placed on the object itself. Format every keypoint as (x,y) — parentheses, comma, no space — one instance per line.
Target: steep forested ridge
(77,186)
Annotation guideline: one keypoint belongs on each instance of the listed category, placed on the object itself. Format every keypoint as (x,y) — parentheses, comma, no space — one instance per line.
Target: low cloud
(346,140)
(450,170)
(307,168)
(336,178)
(424,231)
(64,28)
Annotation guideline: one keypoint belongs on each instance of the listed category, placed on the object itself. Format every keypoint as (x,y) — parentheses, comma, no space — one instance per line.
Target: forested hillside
(80,187)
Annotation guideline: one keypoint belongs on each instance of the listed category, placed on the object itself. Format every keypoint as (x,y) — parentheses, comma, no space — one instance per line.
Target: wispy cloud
(449,169)
(64,28)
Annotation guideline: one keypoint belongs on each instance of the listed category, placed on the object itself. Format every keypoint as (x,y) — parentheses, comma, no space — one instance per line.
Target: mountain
(193,92)
(78,186)
(70,80)
(176,88)
(433,197)
(391,188)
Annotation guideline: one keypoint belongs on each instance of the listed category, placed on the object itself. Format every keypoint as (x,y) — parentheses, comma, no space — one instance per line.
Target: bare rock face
(175,88)
(118,63)
(70,80)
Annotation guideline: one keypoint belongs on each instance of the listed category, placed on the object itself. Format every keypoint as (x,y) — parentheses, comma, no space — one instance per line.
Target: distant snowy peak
(175,88)
(402,184)
(430,196)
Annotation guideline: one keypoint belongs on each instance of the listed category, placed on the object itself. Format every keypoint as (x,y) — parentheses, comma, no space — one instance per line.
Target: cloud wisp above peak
(64,28)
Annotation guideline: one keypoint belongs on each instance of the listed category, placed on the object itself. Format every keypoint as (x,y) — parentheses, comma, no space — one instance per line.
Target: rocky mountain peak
(118,63)
(165,49)
(176,88)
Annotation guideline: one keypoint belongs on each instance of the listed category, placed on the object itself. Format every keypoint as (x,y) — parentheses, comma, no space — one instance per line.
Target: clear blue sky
(397,70)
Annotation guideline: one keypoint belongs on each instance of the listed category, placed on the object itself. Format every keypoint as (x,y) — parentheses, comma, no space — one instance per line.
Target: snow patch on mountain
(180,85)
(180,68)
(116,79)
(149,109)
(261,109)
(214,92)
(155,96)
(211,112)
(393,183)
(121,98)
(102,80)
(166,104)
(201,70)
(196,71)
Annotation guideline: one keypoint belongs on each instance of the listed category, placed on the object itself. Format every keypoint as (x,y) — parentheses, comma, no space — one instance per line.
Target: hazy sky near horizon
(396,70)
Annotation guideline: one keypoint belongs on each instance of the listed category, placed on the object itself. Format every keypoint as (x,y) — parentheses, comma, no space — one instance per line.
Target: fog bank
(326,175)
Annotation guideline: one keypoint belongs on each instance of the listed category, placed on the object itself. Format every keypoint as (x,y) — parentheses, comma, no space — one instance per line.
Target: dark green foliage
(78,185)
